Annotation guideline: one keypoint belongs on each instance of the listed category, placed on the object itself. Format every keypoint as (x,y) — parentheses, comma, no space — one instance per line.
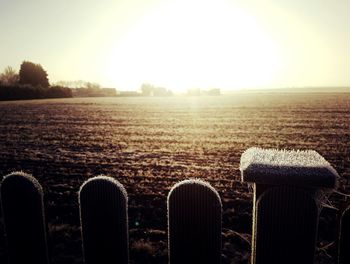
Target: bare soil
(149,144)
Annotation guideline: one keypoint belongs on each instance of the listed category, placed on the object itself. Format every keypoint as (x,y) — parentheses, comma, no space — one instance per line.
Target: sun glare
(189,44)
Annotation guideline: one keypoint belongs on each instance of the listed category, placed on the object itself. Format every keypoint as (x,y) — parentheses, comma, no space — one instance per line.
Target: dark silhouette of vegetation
(33,74)
(30,83)
(93,92)
(82,88)
(9,76)
(27,92)
(58,92)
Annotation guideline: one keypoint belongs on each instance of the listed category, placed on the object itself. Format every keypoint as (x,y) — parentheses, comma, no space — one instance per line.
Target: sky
(181,44)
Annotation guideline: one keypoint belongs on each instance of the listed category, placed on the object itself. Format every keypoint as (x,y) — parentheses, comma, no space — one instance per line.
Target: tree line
(31,82)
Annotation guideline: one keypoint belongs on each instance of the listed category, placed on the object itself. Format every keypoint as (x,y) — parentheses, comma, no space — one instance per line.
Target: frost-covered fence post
(344,238)
(104,221)
(288,190)
(194,223)
(24,219)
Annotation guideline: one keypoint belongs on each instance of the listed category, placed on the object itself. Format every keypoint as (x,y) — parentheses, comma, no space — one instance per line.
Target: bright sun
(190,44)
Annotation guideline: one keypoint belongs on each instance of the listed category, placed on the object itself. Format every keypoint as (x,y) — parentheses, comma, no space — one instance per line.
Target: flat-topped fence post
(24,219)
(194,223)
(104,221)
(344,238)
(288,191)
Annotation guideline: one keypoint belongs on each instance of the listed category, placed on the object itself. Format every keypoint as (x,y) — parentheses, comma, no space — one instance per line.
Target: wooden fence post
(344,238)
(288,191)
(194,223)
(104,221)
(24,219)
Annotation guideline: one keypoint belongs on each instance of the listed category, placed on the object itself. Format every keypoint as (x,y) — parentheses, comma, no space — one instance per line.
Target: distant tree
(79,84)
(58,92)
(147,89)
(92,86)
(63,83)
(33,74)
(152,90)
(9,76)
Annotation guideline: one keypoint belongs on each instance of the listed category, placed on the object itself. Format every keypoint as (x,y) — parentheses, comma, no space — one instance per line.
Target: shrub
(27,92)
